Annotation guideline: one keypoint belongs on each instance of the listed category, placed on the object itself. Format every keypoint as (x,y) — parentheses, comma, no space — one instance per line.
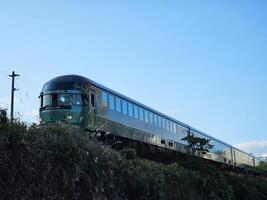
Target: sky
(201,62)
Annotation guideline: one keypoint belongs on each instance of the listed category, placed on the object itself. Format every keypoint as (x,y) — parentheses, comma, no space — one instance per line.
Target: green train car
(78,100)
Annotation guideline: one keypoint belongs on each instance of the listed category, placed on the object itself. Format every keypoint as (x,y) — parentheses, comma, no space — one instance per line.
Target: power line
(5,72)
(31,86)
(26,105)
(25,79)
(4,77)
(25,98)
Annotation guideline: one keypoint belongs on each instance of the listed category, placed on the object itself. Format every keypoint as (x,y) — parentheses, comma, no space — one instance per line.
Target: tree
(263,165)
(197,144)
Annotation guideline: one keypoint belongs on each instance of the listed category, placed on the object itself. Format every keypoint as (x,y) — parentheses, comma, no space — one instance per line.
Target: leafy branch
(197,145)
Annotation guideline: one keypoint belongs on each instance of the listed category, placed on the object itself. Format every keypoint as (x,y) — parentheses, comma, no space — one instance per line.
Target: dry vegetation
(62,163)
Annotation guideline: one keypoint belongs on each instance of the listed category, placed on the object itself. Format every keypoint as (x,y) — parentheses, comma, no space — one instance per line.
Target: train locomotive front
(66,99)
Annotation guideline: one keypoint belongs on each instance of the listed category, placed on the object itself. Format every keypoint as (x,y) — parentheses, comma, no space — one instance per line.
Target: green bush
(263,166)
(60,162)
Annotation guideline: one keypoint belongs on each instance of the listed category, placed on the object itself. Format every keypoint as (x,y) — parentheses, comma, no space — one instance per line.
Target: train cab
(66,99)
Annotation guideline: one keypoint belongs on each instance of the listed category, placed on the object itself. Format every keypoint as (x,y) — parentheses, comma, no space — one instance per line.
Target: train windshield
(63,100)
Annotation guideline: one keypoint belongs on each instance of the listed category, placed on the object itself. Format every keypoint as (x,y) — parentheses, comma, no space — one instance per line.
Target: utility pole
(13,89)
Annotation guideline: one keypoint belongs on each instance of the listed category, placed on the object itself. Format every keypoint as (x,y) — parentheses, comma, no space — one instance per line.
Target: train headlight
(69,117)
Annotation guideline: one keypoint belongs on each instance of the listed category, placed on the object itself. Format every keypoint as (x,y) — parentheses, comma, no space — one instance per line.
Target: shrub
(60,162)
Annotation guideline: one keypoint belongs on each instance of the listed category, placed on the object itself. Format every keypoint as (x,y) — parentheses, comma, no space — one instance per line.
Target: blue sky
(203,63)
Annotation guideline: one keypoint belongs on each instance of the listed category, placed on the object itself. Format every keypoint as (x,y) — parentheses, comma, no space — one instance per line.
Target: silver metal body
(132,126)
(115,113)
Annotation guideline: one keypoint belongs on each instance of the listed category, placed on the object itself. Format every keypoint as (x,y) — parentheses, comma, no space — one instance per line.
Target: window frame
(104,99)
(168,125)
(155,119)
(136,108)
(111,104)
(118,104)
(47,97)
(124,107)
(141,114)
(174,127)
(130,109)
(164,123)
(151,118)
(146,114)
(171,126)
(159,121)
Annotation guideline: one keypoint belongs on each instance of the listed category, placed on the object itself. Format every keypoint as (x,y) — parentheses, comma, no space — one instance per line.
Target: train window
(177,128)
(104,99)
(124,107)
(54,99)
(151,117)
(163,123)
(171,127)
(77,100)
(130,109)
(47,100)
(85,100)
(64,99)
(146,116)
(162,141)
(141,113)
(170,144)
(155,119)
(111,102)
(174,127)
(168,125)
(136,114)
(118,104)
(159,121)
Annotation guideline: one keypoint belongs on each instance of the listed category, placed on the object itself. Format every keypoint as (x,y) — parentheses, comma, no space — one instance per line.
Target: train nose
(63,116)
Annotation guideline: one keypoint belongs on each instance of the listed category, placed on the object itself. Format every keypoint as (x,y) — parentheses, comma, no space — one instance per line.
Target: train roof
(70,78)
(74,80)
(66,82)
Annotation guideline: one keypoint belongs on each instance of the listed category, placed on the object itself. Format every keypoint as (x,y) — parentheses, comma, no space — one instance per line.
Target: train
(80,101)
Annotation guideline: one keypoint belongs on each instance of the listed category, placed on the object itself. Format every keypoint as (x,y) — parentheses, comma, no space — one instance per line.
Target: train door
(92,110)
(234,157)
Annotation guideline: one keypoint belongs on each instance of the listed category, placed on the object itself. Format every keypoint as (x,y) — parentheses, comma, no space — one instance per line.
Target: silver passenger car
(110,111)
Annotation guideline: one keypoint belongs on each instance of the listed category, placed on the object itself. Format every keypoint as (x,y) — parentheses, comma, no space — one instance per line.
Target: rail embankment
(62,163)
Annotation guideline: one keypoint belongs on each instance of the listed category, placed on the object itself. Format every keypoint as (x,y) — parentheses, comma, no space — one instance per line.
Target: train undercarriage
(167,156)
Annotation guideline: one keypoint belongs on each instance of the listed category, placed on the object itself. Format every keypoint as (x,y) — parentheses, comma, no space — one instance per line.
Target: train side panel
(119,117)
